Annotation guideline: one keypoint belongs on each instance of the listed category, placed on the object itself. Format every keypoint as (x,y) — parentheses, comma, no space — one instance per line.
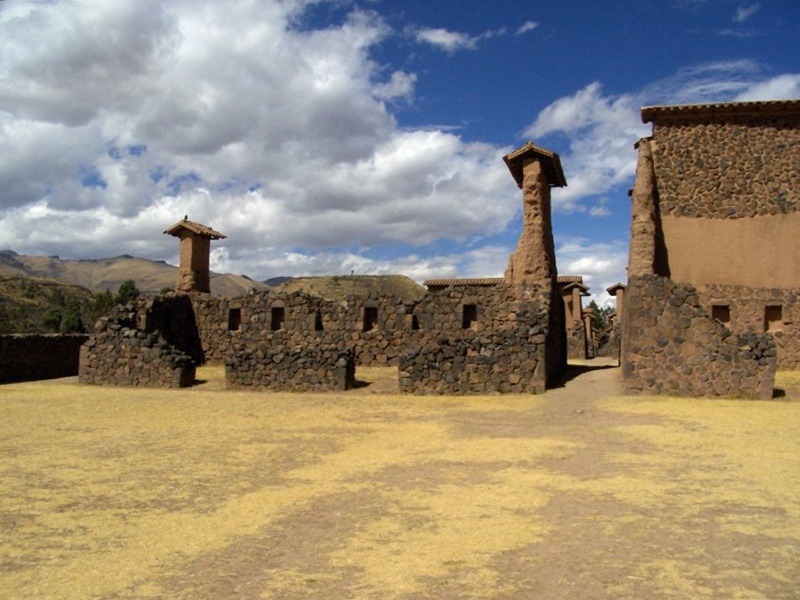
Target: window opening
(370,318)
(318,326)
(234,319)
(414,323)
(773,318)
(278,318)
(721,312)
(469,316)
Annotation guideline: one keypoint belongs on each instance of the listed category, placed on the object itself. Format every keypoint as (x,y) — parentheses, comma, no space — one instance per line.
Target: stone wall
(279,368)
(29,357)
(148,343)
(674,347)
(744,309)
(506,350)
(377,328)
(728,166)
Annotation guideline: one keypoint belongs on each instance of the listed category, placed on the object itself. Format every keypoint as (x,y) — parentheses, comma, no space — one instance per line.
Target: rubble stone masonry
(674,347)
(281,368)
(147,343)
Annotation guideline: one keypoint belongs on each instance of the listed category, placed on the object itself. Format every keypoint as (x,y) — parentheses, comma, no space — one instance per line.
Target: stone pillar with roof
(535,170)
(194,272)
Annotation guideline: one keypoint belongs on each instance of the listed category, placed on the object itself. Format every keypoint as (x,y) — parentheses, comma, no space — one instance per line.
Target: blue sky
(324,137)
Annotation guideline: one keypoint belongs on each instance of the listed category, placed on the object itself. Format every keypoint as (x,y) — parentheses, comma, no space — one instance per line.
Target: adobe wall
(151,342)
(291,369)
(30,357)
(674,347)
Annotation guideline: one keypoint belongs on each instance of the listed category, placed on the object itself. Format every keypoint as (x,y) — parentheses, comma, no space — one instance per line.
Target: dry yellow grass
(203,493)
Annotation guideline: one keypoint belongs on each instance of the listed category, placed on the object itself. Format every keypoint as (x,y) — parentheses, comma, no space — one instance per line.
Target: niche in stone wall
(773,317)
(234,319)
(278,318)
(469,316)
(721,312)
(370,318)
(318,326)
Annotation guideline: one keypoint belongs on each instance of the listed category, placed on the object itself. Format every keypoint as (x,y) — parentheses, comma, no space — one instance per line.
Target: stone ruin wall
(291,369)
(250,342)
(151,342)
(307,321)
(505,352)
(30,357)
(755,310)
(673,346)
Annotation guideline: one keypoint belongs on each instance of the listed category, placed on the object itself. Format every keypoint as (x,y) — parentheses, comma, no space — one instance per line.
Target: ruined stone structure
(464,336)
(194,270)
(29,357)
(152,342)
(715,218)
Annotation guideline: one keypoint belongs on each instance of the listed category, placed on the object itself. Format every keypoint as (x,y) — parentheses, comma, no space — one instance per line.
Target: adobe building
(712,305)
(195,252)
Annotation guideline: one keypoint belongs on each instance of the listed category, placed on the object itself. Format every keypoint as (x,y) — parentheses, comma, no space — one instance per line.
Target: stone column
(644,214)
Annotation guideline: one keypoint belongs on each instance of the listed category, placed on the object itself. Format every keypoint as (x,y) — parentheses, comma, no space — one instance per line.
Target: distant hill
(338,287)
(108,273)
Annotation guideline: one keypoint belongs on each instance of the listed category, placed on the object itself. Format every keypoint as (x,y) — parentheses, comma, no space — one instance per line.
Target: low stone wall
(747,312)
(29,357)
(308,369)
(674,347)
(511,362)
(135,345)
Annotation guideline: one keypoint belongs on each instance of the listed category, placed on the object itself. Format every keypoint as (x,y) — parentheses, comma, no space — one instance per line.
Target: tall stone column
(644,215)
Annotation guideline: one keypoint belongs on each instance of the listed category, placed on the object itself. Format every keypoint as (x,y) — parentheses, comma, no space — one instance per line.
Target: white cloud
(449,41)
(601,131)
(526,27)
(600,264)
(782,87)
(743,13)
(276,133)
(452,41)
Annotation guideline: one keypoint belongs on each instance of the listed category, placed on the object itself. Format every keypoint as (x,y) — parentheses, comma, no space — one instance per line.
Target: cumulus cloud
(117,120)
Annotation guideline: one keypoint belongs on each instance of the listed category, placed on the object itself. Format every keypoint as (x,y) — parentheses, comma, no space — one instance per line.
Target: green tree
(71,321)
(51,319)
(127,292)
(101,305)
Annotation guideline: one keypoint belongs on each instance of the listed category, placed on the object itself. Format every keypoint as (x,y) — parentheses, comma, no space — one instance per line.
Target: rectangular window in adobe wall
(721,312)
(278,318)
(469,316)
(773,318)
(234,319)
(370,318)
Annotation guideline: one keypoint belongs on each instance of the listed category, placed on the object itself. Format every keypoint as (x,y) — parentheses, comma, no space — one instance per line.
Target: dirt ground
(111,493)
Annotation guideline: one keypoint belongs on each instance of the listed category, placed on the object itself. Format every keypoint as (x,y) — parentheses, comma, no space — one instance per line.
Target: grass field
(207,494)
